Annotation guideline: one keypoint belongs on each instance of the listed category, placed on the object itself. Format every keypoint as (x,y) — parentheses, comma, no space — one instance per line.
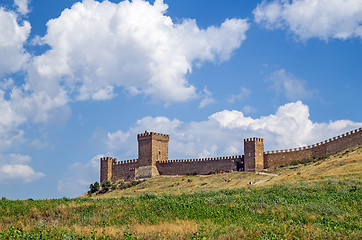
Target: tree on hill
(106,185)
(94,187)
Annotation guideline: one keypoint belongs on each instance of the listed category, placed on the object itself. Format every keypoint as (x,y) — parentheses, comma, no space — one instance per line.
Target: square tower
(253,154)
(106,168)
(152,147)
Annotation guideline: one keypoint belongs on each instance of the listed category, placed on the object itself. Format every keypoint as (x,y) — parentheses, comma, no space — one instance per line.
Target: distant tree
(106,185)
(94,187)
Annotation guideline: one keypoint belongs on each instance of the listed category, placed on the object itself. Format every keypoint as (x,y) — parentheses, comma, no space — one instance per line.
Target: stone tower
(253,154)
(106,168)
(152,147)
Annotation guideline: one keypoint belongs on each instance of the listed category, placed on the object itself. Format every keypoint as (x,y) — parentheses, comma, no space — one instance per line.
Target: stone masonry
(153,157)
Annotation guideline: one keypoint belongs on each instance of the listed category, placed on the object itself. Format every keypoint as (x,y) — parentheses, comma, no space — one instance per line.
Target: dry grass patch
(179,228)
(345,165)
(176,185)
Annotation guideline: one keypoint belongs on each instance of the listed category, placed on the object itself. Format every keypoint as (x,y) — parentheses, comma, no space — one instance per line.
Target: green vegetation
(328,209)
(310,200)
(93,188)
(106,185)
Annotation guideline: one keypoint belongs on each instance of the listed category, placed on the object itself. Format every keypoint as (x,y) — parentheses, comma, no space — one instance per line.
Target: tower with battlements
(152,148)
(106,168)
(253,154)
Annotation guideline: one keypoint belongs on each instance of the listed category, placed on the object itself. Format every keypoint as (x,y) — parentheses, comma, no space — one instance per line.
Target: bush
(106,185)
(94,187)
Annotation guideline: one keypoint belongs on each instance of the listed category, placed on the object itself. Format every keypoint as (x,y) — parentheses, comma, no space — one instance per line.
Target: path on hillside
(265,180)
(269,174)
(261,181)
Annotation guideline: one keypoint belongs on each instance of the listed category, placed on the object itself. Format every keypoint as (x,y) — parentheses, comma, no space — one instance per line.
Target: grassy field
(319,199)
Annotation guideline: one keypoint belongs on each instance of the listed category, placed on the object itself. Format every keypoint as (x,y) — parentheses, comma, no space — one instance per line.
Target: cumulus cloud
(22,6)
(16,167)
(13,35)
(95,47)
(292,87)
(79,176)
(207,98)
(223,132)
(22,106)
(18,103)
(323,19)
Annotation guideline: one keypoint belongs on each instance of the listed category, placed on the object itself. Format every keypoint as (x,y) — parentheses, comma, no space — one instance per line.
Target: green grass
(327,209)
(309,200)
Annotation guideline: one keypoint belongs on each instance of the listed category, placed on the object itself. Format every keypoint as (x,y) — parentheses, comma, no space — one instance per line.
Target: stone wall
(330,146)
(200,166)
(124,169)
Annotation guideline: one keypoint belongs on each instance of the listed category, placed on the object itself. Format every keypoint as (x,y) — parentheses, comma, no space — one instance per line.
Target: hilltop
(345,165)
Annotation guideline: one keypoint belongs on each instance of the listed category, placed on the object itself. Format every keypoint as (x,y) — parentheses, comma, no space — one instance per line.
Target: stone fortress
(153,157)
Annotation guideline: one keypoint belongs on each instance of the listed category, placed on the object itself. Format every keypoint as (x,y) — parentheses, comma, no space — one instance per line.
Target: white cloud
(292,87)
(207,98)
(79,176)
(23,107)
(22,6)
(96,47)
(311,18)
(222,134)
(13,35)
(15,167)
(18,171)
(243,94)
(18,103)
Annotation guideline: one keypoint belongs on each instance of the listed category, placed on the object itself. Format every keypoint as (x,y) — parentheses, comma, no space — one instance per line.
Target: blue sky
(79,80)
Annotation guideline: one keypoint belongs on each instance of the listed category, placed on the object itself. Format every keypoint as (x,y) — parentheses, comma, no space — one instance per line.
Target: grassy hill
(317,199)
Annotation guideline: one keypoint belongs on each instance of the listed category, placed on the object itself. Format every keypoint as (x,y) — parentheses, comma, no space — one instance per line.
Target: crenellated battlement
(147,134)
(109,159)
(202,159)
(313,146)
(333,145)
(254,139)
(131,161)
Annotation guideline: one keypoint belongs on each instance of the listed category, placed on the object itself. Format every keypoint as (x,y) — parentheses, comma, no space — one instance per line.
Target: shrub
(94,187)
(106,185)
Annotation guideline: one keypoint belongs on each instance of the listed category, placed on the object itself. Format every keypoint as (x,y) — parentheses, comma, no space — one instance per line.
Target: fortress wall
(201,166)
(344,142)
(278,158)
(124,169)
(330,146)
